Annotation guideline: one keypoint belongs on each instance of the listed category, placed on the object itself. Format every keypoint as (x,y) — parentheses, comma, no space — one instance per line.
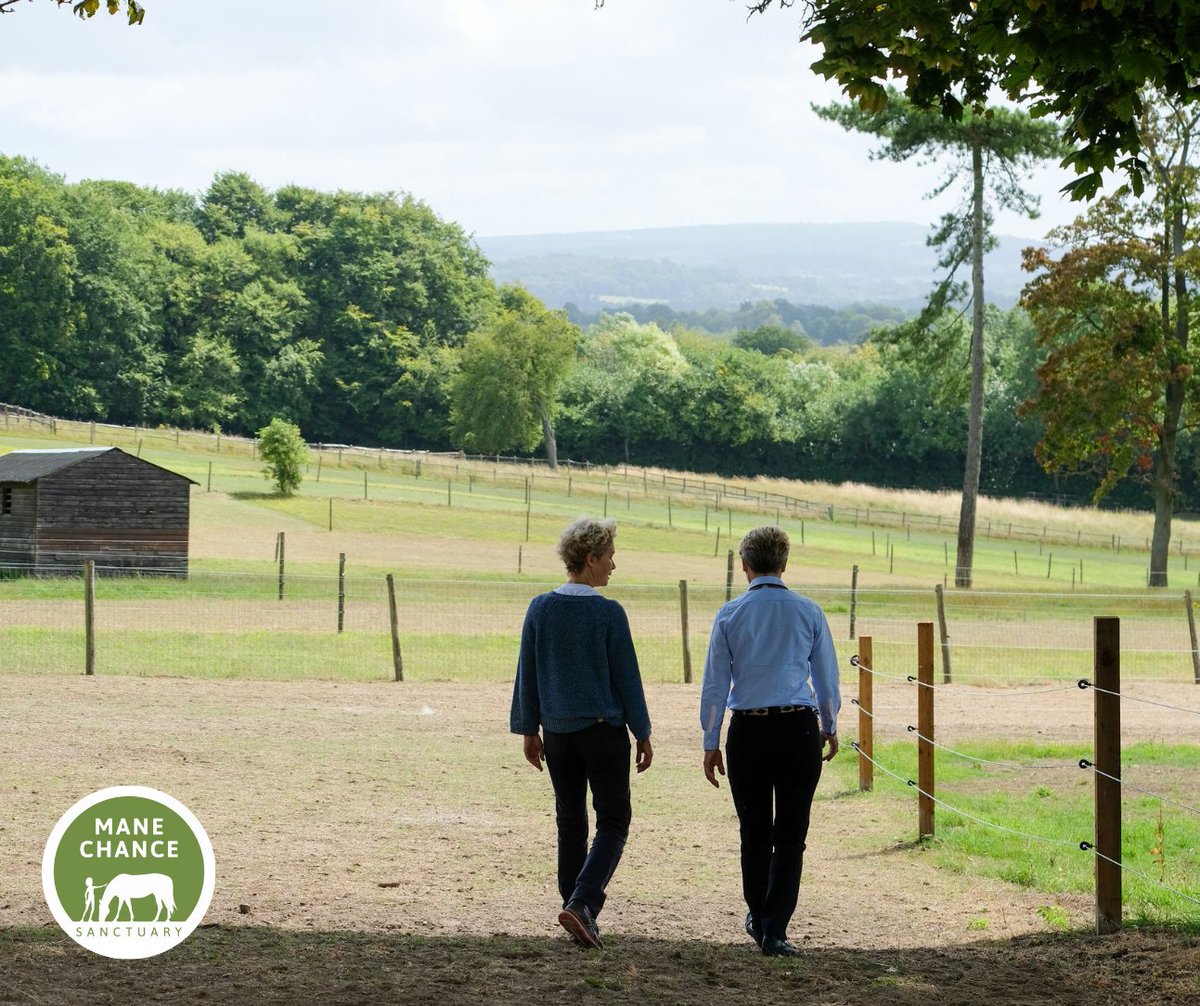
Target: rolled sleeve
(823,668)
(714,692)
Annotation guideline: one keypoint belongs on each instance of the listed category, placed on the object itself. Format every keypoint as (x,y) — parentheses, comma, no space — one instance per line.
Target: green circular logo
(128,872)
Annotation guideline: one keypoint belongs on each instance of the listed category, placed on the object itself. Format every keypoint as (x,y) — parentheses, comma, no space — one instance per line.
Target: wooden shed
(59,508)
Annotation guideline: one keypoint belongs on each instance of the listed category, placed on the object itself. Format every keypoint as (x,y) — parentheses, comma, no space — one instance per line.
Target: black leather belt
(773,710)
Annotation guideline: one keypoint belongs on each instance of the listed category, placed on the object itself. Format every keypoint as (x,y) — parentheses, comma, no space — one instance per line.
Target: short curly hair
(587,536)
(765,549)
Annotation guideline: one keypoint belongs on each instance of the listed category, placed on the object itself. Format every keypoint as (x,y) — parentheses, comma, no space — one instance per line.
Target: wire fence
(271,625)
(1152,838)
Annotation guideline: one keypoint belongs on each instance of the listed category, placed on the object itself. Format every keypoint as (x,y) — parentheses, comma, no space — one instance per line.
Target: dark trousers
(597,757)
(774,764)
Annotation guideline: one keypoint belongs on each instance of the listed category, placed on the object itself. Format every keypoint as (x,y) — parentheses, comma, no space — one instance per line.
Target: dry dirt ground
(386,842)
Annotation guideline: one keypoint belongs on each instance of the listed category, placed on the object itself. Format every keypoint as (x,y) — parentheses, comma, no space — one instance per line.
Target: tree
(1082,62)
(990,152)
(771,339)
(284,453)
(234,202)
(506,392)
(627,387)
(38,312)
(1113,313)
(134,11)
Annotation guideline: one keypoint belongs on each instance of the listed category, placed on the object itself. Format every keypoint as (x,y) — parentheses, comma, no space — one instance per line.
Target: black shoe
(752,929)
(774,946)
(577,920)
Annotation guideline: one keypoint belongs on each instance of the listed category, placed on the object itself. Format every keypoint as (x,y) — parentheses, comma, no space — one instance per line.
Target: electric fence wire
(1089,847)
(855,662)
(1085,764)
(913,680)
(1083,846)
(1085,684)
(962,813)
(976,758)
(950,750)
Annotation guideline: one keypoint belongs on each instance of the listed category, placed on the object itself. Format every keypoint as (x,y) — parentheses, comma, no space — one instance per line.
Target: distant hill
(691,268)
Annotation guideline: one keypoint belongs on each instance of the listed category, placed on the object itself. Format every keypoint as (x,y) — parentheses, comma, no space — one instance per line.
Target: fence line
(443,612)
(1107,844)
(720,493)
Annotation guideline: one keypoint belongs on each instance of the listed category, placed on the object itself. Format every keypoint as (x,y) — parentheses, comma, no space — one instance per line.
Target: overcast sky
(507,116)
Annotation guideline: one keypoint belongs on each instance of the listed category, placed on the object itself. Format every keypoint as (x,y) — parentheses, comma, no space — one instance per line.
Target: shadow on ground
(266,966)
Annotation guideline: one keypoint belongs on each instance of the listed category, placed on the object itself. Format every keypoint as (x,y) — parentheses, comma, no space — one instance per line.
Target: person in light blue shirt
(578,682)
(771,662)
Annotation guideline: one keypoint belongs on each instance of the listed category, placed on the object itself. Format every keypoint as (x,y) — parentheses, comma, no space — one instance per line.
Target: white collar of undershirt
(576,589)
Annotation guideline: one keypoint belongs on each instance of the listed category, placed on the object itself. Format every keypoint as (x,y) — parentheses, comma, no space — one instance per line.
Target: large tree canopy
(1085,61)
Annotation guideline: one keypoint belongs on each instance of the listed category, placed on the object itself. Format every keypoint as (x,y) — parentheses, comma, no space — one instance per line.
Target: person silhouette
(89,899)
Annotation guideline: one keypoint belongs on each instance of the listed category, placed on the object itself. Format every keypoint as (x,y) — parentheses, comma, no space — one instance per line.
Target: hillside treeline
(339,311)
(825,325)
(349,314)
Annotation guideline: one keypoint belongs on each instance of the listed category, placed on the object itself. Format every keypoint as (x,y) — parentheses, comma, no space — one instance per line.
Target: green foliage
(506,391)
(133,305)
(772,339)
(1085,64)
(284,453)
(1118,385)
(134,11)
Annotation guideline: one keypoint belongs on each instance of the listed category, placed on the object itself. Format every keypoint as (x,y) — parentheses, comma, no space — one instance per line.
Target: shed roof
(30,465)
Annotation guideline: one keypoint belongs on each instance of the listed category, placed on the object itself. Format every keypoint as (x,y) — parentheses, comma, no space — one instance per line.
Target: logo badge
(128,872)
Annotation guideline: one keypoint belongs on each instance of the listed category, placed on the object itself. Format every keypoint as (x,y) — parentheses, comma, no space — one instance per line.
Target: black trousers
(774,764)
(597,757)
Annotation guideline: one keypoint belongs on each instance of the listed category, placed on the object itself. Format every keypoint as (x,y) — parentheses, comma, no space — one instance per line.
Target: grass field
(469,542)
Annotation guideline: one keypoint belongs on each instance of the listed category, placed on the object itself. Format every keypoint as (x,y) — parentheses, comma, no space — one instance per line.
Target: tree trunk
(1173,401)
(970,491)
(550,442)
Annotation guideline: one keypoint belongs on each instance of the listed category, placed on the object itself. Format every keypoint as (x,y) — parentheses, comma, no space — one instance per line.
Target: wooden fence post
(279,549)
(208,488)
(943,632)
(866,711)
(729,576)
(341,591)
(1191,617)
(925,774)
(89,616)
(397,659)
(854,600)
(683,622)
(1106,677)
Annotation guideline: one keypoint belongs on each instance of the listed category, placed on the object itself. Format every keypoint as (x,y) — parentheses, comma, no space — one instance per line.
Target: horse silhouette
(125,887)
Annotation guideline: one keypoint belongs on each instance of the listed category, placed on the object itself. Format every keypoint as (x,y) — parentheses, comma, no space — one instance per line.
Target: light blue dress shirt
(769,647)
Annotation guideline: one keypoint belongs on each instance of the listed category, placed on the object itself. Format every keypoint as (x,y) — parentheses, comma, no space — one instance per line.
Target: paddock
(379,822)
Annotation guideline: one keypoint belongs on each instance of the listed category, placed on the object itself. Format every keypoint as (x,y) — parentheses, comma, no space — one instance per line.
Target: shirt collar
(576,589)
(767,580)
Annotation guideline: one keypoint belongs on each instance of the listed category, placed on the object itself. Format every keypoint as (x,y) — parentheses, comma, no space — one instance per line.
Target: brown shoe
(577,920)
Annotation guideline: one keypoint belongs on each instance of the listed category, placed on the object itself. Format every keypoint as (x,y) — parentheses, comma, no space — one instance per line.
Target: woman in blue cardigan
(578,680)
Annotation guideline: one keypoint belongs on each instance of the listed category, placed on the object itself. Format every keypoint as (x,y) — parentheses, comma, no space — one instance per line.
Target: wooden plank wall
(17,529)
(118,511)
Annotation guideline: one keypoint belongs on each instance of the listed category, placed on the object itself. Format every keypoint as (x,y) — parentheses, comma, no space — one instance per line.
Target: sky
(505,116)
